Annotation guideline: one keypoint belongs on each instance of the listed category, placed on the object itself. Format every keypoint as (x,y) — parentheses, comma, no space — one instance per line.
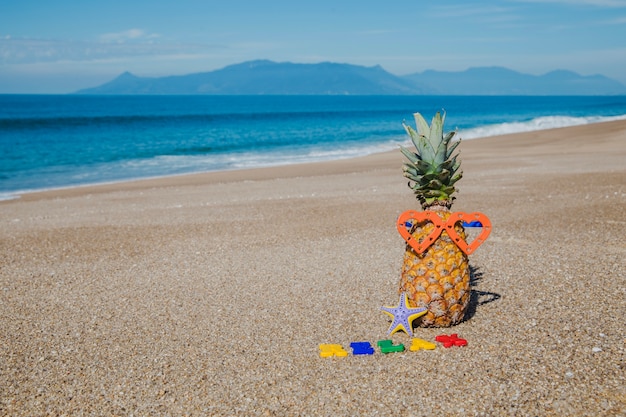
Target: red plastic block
(452,340)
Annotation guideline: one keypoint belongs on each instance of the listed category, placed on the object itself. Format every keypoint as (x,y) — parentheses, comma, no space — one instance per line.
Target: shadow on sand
(478,298)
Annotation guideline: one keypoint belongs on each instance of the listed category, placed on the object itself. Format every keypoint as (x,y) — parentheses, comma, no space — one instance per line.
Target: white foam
(315,154)
(8,196)
(539,123)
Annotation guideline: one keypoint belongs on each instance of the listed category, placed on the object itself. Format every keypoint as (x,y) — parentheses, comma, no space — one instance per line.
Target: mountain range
(285,78)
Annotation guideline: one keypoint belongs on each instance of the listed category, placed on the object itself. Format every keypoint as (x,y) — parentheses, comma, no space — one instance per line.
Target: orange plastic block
(327,350)
(417,344)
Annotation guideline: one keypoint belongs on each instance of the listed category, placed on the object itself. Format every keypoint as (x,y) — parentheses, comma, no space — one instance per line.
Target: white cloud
(499,16)
(617,21)
(15,51)
(596,3)
(126,35)
(453,10)
(376,32)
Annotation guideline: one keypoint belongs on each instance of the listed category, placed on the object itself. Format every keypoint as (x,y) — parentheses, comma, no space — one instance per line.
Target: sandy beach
(209,294)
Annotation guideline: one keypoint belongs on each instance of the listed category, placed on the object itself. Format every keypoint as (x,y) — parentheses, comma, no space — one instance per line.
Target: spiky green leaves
(432,169)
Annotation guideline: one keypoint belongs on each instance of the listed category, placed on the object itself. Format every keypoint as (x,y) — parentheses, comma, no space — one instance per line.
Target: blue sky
(59,46)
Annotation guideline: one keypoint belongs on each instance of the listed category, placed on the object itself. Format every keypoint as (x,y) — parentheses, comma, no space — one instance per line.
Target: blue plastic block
(474,223)
(362,348)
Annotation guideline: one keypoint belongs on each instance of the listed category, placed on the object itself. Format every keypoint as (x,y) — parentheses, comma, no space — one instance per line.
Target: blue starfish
(403,315)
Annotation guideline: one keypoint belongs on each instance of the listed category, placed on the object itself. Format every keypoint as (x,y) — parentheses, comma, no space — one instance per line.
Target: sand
(209,294)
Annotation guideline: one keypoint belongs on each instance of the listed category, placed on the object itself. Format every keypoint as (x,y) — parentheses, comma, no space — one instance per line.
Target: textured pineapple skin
(438,278)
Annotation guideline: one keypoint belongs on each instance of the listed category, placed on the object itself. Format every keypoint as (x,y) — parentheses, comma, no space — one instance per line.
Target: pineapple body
(438,278)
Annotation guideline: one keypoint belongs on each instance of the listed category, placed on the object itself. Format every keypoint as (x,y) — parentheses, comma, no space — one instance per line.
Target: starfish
(403,315)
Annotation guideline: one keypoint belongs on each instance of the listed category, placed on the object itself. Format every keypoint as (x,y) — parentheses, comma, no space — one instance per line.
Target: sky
(60,46)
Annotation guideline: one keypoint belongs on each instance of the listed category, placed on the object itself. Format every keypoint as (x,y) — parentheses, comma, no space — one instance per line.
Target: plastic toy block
(474,223)
(452,340)
(387,346)
(327,350)
(417,344)
(362,348)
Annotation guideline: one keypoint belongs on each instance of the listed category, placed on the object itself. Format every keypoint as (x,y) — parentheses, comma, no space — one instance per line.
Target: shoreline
(263,172)
(209,294)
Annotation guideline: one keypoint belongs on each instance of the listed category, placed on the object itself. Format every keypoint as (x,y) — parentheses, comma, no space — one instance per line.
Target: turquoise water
(64,141)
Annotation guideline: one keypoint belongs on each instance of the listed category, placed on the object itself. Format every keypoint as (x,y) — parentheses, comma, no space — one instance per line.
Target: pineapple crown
(433,169)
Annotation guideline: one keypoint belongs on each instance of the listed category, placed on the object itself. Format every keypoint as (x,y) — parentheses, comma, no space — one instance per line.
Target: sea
(60,141)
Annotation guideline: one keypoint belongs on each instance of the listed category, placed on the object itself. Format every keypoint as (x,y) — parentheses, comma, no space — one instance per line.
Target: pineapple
(438,278)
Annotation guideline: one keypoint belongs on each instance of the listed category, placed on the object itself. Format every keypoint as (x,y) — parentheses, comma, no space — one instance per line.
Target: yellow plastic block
(327,350)
(417,344)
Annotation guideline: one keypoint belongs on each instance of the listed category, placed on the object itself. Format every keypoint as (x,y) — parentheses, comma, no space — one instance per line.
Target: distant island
(263,77)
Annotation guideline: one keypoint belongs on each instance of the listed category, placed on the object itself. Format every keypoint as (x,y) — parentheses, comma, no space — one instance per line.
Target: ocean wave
(253,160)
(539,123)
(8,196)
(187,163)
